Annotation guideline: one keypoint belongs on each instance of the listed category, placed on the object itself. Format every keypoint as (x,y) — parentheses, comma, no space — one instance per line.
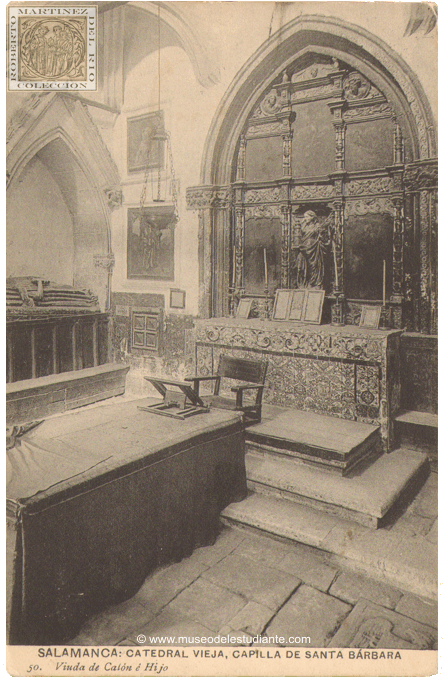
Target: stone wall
(175,355)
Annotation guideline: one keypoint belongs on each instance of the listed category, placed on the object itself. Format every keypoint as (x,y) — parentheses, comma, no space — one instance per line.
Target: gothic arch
(205,69)
(58,132)
(333,37)
(220,197)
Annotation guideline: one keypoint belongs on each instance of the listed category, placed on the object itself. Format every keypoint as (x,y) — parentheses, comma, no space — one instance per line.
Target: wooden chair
(251,372)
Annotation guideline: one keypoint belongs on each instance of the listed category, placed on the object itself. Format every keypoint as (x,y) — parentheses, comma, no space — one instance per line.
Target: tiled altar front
(348,372)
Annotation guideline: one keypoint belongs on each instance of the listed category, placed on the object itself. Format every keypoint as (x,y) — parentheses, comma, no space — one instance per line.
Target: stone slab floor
(248,584)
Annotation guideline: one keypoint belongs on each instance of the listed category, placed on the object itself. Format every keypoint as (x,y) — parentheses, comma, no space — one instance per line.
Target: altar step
(334,444)
(418,430)
(325,518)
(368,497)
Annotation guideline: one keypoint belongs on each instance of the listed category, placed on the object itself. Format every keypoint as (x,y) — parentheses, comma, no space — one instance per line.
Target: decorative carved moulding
(263,211)
(327,342)
(356,87)
(369,186)
(318,72)
(266,127)
(205,197)
(378,205)
(368,111)
(313,191)
(105,261)
(313,93)
(254,195)
(421,176)
(322,81)
(273,103)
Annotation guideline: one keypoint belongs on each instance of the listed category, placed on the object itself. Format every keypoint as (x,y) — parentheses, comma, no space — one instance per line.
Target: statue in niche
(312,242)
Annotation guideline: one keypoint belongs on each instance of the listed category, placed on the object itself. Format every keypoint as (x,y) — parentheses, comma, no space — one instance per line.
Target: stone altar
(349,372)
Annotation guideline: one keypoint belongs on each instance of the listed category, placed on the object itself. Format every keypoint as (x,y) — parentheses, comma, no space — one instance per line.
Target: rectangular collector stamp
(52,47)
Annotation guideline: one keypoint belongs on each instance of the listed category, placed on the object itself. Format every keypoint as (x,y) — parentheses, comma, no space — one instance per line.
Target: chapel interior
(261,207)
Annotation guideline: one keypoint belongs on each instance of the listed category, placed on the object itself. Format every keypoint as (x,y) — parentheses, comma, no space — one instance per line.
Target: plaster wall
(39,227)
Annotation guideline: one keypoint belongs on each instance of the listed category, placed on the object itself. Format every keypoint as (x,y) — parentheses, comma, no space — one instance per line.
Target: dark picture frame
(150,243)
(142,151)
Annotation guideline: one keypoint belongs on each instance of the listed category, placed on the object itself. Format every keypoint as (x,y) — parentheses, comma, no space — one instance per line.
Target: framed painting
(297,305)
(370,317)
(281,304)
(313,306)
(143,151)
(244,308)
(177,298)
(150,247)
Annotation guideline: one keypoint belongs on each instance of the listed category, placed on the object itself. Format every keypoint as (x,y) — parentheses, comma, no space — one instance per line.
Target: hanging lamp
(160,154)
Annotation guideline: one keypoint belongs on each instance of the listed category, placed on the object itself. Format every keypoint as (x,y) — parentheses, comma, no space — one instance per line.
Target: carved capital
(105,261)
(205,197)
(421,176)
(114,197)
(199,197)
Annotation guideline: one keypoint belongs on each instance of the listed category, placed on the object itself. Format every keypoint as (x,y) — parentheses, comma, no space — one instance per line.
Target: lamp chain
(155,131)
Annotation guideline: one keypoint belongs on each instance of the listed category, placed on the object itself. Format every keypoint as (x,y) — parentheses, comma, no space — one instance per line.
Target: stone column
(397,255)
(287,153)
(241,159)
(205,263)
(239,230)
(285,245)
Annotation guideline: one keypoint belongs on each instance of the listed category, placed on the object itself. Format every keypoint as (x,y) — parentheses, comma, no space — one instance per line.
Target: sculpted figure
(315,237)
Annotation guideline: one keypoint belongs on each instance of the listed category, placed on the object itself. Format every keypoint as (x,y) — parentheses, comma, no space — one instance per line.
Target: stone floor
(248,584)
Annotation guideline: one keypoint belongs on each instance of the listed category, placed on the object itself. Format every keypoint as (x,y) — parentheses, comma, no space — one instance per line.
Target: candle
(384,282)
(334,253)
(233,267)
(266,267)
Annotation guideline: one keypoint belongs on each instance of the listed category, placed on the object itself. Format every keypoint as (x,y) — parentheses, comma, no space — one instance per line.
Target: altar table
(345,371)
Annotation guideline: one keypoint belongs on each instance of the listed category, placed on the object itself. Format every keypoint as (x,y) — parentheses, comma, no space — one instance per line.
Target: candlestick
(384,282)
(266,266)
(334,254)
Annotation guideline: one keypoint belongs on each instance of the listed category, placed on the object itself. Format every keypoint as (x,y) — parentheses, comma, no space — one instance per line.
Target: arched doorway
(325,120)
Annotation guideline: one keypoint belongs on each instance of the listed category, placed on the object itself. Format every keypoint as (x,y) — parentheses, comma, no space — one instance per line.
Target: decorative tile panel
(336,371)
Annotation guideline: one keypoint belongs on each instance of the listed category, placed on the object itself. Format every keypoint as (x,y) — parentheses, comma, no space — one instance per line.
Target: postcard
(221,338)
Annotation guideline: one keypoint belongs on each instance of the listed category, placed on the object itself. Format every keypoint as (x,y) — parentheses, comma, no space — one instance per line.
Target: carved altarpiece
(386,187)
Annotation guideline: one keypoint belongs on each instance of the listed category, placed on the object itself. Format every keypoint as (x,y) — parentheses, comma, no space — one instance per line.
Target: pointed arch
(332,37)
(291,50)
(58,133)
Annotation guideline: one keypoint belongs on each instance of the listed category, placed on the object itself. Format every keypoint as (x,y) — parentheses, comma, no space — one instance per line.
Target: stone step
(335,444)
(423,418)
(366,497)
(380,554)
(418,430)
